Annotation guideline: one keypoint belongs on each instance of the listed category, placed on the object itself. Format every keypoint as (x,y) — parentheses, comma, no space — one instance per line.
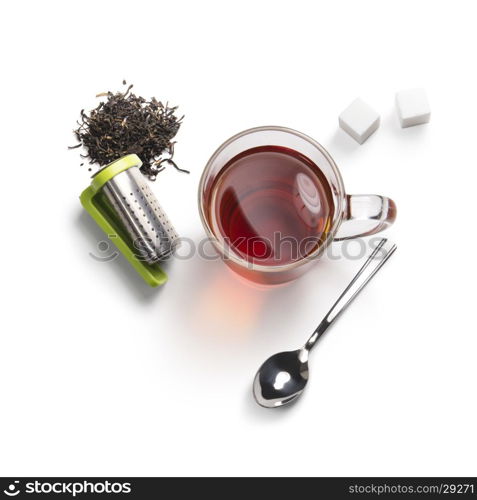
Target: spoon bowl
(281,378)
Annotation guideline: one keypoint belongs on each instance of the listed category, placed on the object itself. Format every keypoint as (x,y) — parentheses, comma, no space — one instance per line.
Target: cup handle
(366,214)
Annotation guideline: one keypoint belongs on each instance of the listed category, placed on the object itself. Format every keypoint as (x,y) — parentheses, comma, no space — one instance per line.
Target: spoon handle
(374,263)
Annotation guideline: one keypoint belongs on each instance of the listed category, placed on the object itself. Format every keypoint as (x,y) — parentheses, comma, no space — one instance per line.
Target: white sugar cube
(359,120)
(412,107)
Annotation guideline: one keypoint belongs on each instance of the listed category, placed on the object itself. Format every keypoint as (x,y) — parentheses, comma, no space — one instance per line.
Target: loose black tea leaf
(124,124)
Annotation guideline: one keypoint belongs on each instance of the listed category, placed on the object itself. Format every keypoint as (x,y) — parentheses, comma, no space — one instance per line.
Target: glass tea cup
(272,199)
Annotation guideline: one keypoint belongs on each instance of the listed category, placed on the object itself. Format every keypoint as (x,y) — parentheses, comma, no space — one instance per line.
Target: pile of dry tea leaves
(125,123)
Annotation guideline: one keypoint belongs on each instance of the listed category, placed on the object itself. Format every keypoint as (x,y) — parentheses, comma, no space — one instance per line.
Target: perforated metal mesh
(137,207)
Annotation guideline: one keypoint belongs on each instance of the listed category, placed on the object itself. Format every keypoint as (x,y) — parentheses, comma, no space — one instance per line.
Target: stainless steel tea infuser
(123,205)
(144,219)
(283,377)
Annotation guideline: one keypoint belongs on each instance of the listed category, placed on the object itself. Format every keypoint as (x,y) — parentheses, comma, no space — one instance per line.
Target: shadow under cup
(271,200)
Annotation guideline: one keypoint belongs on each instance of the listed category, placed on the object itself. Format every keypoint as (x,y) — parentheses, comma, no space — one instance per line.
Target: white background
(101,375)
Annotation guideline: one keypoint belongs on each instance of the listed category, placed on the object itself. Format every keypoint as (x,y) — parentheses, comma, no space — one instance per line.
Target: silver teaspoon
(283,377)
